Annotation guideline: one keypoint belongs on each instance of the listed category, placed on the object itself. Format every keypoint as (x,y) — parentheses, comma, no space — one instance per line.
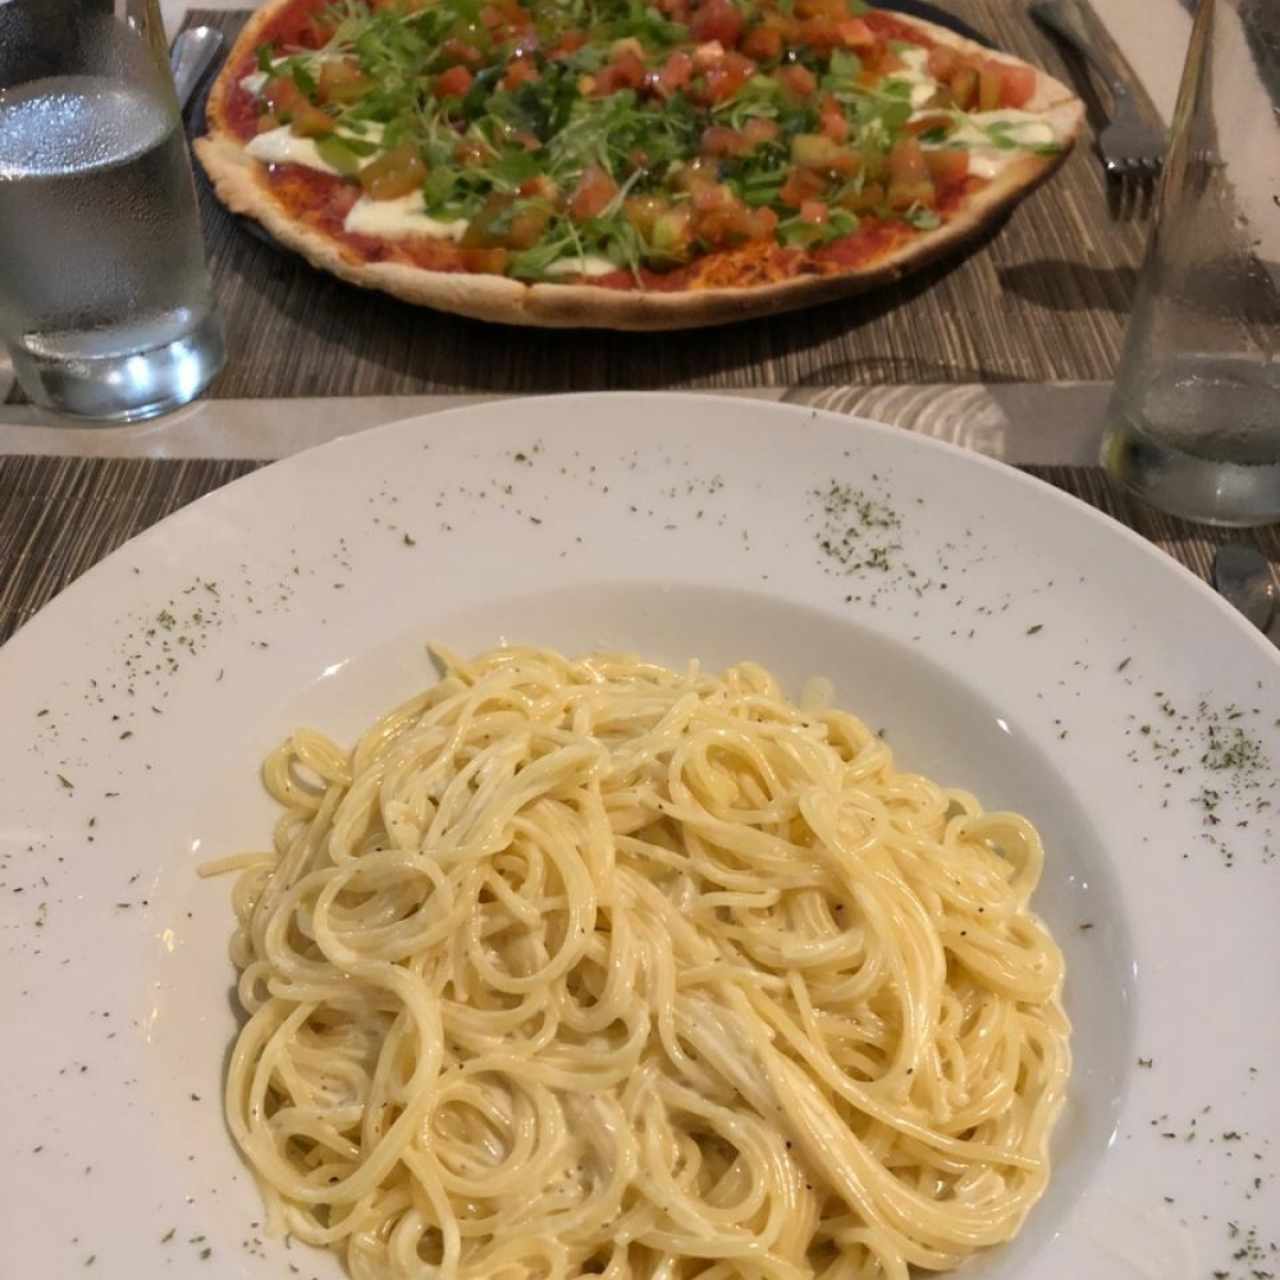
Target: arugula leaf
(760,186)
(533,263)
(842,72)
(336,152)
(302,77)
(797,233)
(359,146)
(760,98)
(475,100)
(438,188)
(512,169)
(263,55)
(922,218)
(648,25)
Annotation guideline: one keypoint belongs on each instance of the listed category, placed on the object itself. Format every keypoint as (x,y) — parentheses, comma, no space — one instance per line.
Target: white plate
(1007,637)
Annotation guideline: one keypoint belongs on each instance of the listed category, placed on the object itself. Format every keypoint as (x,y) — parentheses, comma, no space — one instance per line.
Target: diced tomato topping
(728,222)
(568,43)
(1018,85)
(504,222)
(528,223)
(888,27)
(711,195)
(909,180)
(870,196)
(520,71)
(695,175)
(676,73)
(491,262)
(342,81)
(856,34)
(834,9)
(542,186)
(457,51)
(594,192)
(766,224)
(453,83)
(626,71)
(717,20)
(720,141)
(814,211)
(672,233)
(990,84)
(643,212)
(942,62)
(832,119)
(947,168)
(726,77)
(394,173)
(504,14)
(708,54)
(820,33)
(470,155)
(310,122)
(801,185)
(315,32)
(818,152)
(798,81)
(764,43)
(283,96)
(964,86)
(906,160)
(757,131)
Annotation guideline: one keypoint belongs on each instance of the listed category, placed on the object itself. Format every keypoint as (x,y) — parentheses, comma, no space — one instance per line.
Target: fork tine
(1115,195)
(1148,182)
(1133,191)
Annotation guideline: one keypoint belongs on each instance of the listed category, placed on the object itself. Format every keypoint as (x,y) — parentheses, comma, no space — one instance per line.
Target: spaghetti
(592,967)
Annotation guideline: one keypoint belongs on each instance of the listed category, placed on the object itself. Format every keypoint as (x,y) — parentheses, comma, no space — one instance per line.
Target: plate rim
(855,422)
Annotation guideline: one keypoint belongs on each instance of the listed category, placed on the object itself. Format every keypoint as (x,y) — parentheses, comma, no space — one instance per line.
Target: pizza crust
(240,183)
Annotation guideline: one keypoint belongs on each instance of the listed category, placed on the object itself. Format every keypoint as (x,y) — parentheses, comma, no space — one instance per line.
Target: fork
(1132,150)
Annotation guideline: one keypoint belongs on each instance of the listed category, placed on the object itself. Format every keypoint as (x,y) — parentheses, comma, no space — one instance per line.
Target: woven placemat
(60,516)
(1045,298)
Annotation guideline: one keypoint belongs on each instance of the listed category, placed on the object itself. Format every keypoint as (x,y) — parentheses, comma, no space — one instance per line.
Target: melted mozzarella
(923,85)
(587,265)
(280,146)
(1023,128)
(406,216)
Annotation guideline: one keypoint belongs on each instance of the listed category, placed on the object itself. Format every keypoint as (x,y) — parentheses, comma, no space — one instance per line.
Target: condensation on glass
(105,303)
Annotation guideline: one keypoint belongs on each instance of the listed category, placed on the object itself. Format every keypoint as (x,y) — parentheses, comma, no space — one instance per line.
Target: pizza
(627,164)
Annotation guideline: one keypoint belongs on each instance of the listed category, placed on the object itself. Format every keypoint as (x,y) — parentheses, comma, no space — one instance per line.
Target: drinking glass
(105,303)
(1194,421)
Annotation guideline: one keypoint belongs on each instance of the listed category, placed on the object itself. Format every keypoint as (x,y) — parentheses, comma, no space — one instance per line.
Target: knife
(192,55)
